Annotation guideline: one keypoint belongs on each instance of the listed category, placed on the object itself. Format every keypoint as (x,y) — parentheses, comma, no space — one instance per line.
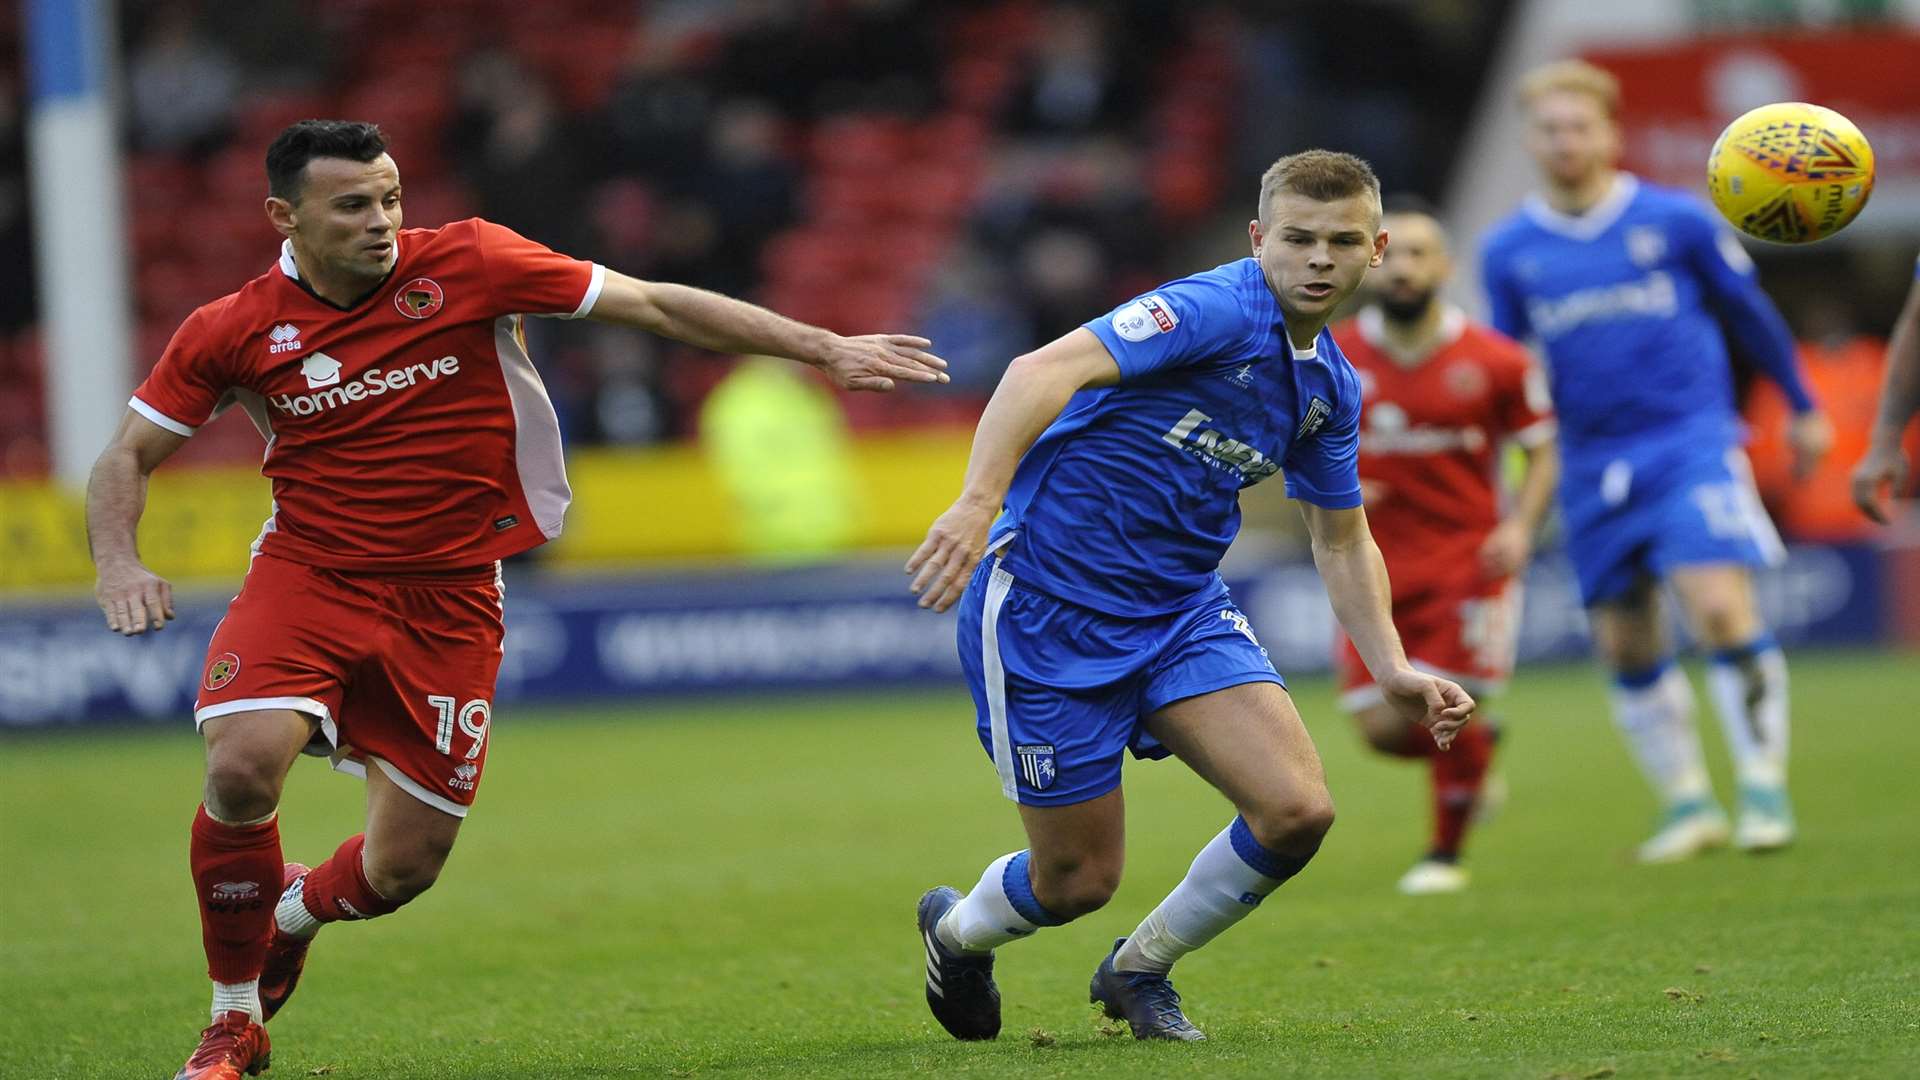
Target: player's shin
(1001,908)
(1749,689)
(1654,711)
(1228,879)
(236,866)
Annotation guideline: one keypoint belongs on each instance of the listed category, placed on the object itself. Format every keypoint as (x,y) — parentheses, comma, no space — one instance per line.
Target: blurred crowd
(989,174)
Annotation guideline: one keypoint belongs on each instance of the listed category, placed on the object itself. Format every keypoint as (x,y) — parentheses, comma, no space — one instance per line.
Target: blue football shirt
(1128,501)
(1632,304)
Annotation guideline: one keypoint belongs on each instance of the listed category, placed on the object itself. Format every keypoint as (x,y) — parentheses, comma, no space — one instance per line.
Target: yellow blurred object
(200,523)
(629,506)
(1790,172)
(778,445)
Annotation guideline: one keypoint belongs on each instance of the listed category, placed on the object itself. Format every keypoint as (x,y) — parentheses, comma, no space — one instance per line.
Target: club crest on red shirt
(419,298)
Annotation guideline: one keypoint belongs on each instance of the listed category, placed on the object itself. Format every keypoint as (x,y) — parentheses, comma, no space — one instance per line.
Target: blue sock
(1001,908)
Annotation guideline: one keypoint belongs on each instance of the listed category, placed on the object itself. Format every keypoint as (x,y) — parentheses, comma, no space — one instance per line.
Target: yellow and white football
(1790,172)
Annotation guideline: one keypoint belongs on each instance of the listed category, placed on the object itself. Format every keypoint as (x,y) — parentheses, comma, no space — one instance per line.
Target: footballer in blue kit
(1083,552)
(1632,293)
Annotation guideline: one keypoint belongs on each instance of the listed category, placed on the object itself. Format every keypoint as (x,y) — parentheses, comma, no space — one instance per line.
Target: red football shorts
(399,669)
(1466,635)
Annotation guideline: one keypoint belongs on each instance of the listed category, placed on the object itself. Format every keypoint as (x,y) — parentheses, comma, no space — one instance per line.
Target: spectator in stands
(16,241)
(1063,276)
(981,326)
(657,115)
(748,183)
(1078,81)
(525,165)
(182,85)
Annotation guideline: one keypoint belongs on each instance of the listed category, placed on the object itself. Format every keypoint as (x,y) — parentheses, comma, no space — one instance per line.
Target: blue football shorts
(1633,516)
(1063,691)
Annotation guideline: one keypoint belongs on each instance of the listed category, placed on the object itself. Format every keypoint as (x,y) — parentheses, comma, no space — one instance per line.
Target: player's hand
(874,361)
(945,560)
(133,598)
(1883,470)
(1435,704)
(1811,436)
(1506,550)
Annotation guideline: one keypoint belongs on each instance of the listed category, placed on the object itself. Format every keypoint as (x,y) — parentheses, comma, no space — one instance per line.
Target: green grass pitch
(727,888)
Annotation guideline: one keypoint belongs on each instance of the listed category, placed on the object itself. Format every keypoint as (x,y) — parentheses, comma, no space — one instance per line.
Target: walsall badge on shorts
(1036,766)
(221,670)
(419,298)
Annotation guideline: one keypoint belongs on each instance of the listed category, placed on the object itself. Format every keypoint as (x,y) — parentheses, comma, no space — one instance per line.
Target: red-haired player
(1442,397)
(411,446)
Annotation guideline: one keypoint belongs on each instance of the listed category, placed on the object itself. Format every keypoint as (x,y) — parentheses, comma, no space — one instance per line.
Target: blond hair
(1321,175)
(1573,77)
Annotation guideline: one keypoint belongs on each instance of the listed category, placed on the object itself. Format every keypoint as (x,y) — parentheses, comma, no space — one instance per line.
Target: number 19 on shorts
(472,719)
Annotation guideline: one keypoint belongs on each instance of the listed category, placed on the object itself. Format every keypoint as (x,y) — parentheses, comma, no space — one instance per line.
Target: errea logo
(284,338)
(465,777)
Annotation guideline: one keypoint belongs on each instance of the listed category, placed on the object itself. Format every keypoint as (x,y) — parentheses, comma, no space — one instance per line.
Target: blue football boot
(1146,1001)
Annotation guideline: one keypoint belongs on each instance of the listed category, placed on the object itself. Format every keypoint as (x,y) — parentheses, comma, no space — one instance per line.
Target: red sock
(236,874)
(337,889)
(1457,776)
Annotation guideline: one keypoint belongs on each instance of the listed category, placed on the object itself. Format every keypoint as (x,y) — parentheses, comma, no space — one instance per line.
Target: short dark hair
(1321,175)
(300,143)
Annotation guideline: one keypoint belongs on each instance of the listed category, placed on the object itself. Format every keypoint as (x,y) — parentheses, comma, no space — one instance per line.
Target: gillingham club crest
(1036,766)
(419,298)
(221,670)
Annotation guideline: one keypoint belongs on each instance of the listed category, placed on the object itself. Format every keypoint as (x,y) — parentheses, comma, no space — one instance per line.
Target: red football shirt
(408,432)
(1430,432)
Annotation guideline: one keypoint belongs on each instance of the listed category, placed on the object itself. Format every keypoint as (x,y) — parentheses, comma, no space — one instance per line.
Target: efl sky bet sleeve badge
(1036,766)
(1144,318)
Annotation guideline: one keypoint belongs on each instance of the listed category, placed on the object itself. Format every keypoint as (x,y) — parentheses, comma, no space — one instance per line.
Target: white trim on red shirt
(160,418)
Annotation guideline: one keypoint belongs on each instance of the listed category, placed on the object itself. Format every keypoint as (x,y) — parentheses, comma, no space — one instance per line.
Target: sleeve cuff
(160,418)
(1538,433)
(1100,329)
(1345,500)
(595,283)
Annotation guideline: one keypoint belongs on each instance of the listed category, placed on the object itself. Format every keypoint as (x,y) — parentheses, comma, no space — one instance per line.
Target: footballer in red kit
(1444,397)
(410,446)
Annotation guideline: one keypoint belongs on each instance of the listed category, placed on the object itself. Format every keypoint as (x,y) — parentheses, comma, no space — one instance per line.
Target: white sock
(291,914)
(1656,716)
(1001,908)
(1228,879)
(1749,690)
(237,997)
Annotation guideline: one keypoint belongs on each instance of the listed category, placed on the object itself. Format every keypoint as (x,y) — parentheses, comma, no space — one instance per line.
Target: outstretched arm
(1750,318)
(1510,544)
(723,324)
(1885,466)
(132,597)
(1036,387)
(1356,578)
